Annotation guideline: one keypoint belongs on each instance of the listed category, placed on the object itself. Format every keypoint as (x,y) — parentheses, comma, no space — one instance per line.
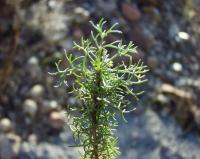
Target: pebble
(182,36)
(33,61)
(34,68)
(48,106)
(142,38)
(67,44)
(49,80)
(162,99)
(107,7)
(6,151)
(131,12)
(176,66)
(15,141)
(5,125)
(170,89)
(139,55)
(71,100)
(78,33)
(37,90)
(30,107)
(152,62)
(57,119)
(9,146)
(153,14)
(53,104)
(32,138)
(52,3)
(173,30)
(81,14)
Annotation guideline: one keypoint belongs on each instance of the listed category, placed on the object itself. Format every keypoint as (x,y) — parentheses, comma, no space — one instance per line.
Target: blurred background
(33,35)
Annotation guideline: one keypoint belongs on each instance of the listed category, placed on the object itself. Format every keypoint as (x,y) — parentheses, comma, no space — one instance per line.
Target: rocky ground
(33,34)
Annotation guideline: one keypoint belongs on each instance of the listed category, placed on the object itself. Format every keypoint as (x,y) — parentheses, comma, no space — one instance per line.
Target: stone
(9,146)
(32,138)
(142,38)
(131,12)
(139,55)
(162,99)
(152,13)
(176,66)
(33,61)
(107,7)
(37,90)
(170,89)
(81,15)
(182,36)
(67,44)
(78,33)
(48,106)
(5,125)
(57,120)
(53,104)
(6,151)
(15,141)
(152,62)
(71,100)
(173,30)
(30,107)
(33,68)
(52,3)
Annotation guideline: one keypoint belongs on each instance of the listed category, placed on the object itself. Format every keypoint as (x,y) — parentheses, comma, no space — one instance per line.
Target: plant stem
(94,117)
(95,153)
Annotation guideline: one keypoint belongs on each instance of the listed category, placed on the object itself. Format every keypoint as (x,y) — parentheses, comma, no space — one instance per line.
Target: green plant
(103,88)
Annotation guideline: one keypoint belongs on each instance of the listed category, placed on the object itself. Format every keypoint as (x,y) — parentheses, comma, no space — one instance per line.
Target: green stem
(94,117)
